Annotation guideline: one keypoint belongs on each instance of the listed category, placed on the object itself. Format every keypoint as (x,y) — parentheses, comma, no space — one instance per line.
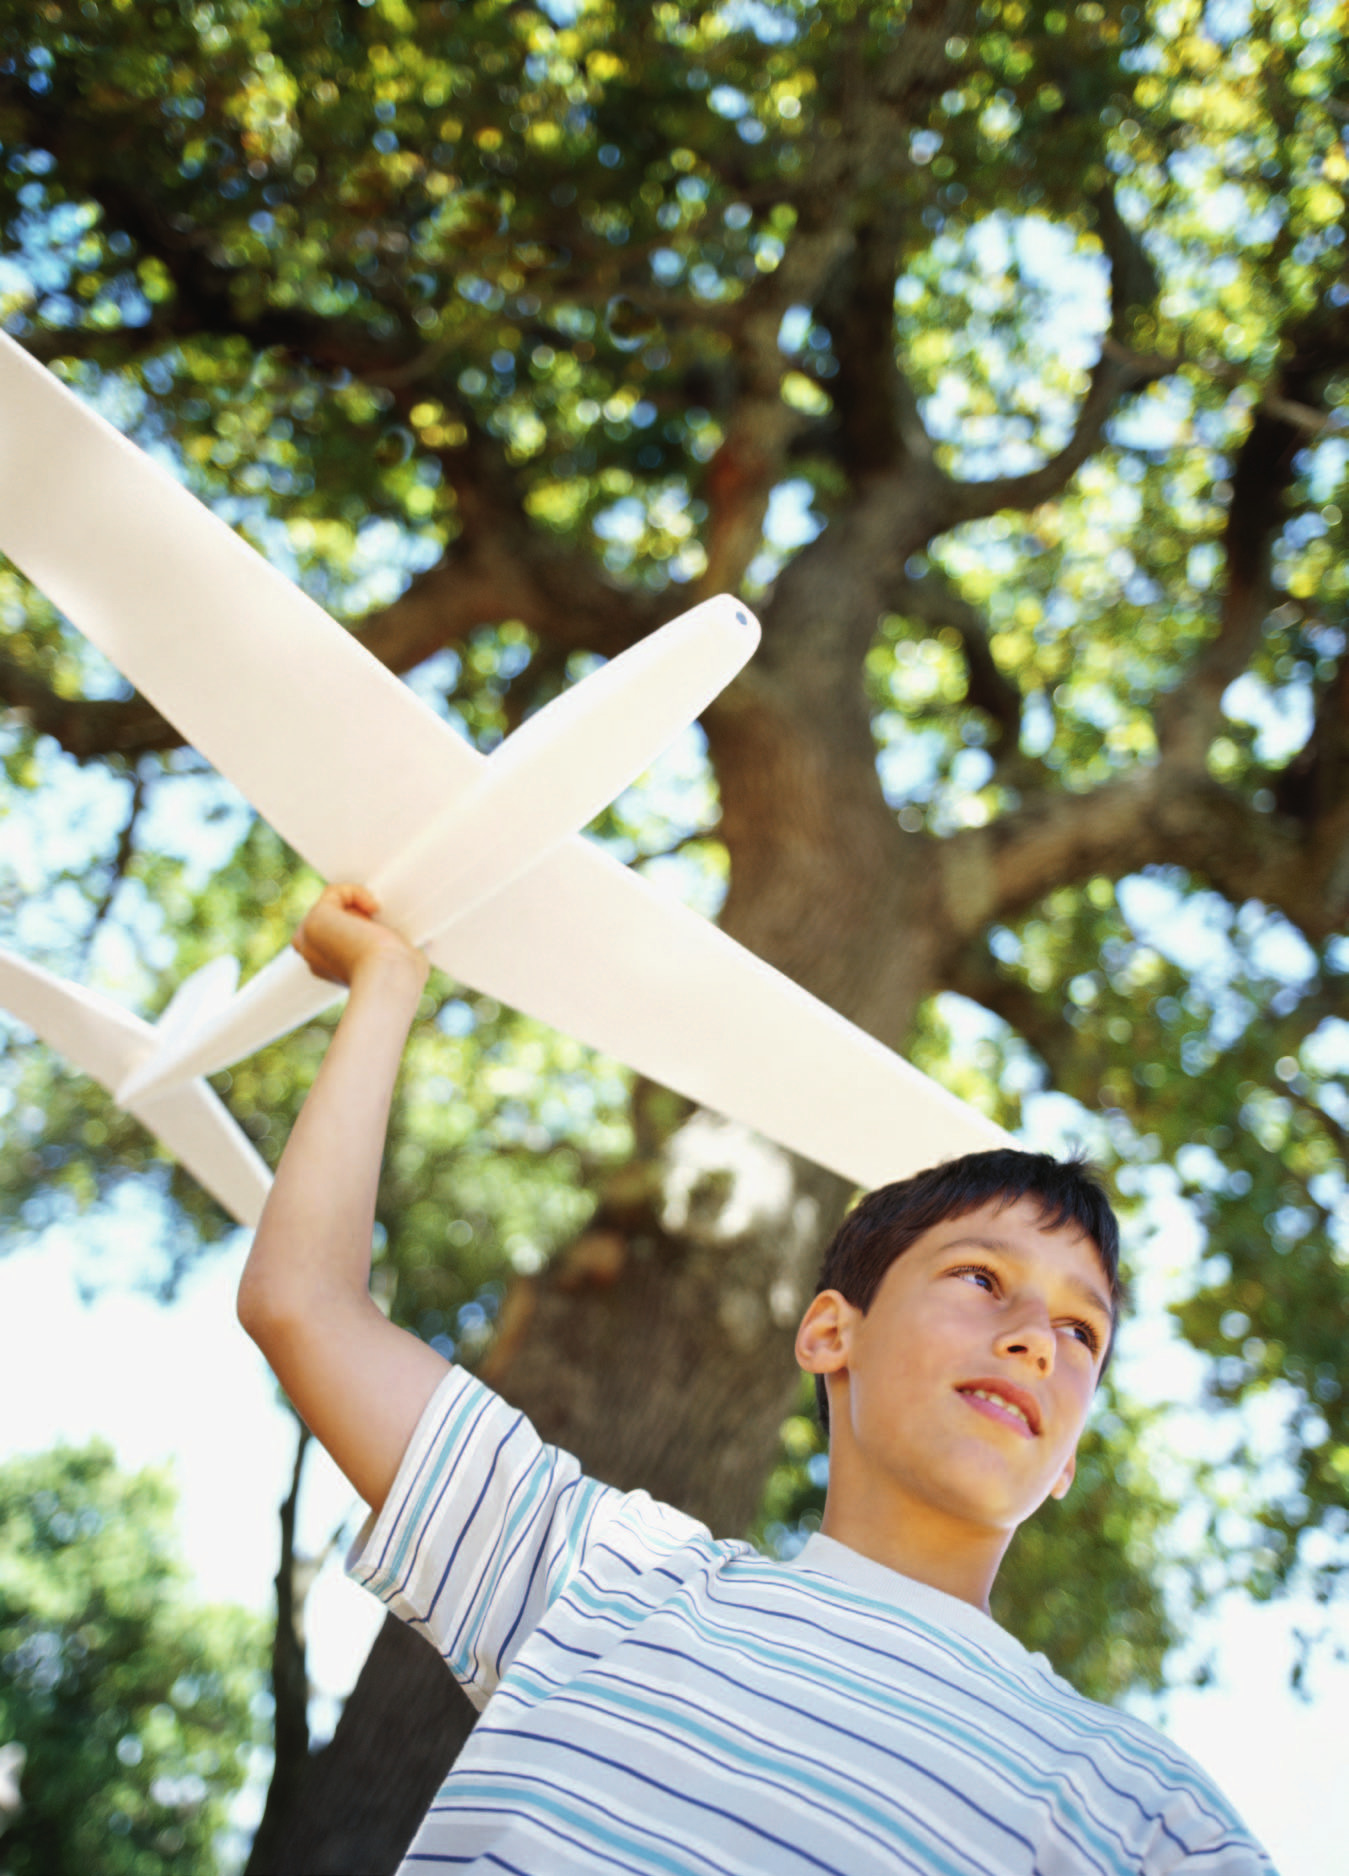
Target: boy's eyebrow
(1079,1285)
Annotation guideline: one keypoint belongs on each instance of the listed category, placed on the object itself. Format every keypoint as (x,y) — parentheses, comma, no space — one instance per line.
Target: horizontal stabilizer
(281,996)
(105,1042)
(197,999)
(204,1137)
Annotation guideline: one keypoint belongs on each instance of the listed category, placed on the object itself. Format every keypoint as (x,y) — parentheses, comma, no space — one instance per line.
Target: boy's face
(963,1389)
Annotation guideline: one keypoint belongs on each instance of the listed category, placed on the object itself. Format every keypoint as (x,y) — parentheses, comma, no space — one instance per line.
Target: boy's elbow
(283,1307)
(248,1307)
(264,1311)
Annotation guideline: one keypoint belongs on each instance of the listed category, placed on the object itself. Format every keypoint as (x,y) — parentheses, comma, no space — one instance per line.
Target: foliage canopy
(134,1705)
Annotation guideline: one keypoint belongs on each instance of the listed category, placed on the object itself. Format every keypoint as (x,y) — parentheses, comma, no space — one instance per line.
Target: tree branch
(1339,1134)
(847,273)
(1118,372)
(880,423)
(859,310)
(761,426)
(1072,1055)
(85,727)
(204,282)
(1163,815)
(934,600)
(1189,717)
(1315,785)
(1114,376)
(121,860)
(975,974)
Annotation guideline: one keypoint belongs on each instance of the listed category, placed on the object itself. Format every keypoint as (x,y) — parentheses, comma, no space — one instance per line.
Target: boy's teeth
(983,1393)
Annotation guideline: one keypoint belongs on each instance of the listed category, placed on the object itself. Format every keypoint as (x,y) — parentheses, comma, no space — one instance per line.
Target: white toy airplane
(476,858)
(546,781)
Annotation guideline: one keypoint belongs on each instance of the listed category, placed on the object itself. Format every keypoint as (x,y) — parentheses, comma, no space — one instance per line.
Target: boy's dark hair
(883,1225)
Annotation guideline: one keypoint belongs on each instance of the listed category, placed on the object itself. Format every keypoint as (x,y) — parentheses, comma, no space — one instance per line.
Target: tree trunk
(369,1787)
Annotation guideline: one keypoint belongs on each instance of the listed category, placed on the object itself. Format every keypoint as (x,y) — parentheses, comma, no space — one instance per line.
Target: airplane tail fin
(283,994)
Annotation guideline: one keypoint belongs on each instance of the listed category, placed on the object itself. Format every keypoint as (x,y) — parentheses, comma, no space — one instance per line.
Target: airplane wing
(106,1042)
(327,744)
(559,769)
(344,760)
(594,950)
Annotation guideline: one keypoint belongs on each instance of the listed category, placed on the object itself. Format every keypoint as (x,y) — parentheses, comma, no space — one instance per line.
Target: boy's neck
(944,1553)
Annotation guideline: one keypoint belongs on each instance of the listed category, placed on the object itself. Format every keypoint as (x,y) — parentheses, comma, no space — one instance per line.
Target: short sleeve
(479,1533)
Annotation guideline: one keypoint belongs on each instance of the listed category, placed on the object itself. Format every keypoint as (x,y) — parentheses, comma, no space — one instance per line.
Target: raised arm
(359,1382)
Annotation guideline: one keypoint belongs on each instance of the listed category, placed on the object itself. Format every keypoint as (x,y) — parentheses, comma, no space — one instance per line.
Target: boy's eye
(1086,1334)
(985,1279)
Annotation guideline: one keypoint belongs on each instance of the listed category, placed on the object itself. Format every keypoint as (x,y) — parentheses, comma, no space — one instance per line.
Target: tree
(132,1704)
(511,331)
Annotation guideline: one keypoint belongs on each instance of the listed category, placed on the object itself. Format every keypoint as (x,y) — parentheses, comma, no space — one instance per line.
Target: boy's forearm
(312,1246)
(359,1382)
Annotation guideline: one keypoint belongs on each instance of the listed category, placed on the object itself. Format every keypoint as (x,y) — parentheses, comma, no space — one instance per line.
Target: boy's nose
(1031,1336)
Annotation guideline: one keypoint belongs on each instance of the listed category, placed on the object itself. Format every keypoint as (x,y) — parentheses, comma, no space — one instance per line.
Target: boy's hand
(341,936)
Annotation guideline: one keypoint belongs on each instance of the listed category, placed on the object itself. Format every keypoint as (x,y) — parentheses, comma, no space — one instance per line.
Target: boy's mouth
(999,1400)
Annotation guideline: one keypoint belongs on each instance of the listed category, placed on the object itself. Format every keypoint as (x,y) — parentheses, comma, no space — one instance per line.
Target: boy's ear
(823,1340)
(1059,1489)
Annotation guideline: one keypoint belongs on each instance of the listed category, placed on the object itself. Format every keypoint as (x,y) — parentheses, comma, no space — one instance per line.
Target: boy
(660,1702)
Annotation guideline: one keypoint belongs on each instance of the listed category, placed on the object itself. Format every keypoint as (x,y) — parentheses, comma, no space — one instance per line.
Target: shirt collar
(845,1565)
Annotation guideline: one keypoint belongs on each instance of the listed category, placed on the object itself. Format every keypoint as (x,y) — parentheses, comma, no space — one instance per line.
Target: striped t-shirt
(664,1704)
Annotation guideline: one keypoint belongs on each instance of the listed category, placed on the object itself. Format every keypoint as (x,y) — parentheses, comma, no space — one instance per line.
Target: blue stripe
(944,1725)
(759,1766)
(416,1520)
(498,1552)
(686,1798)
(814,1720)
(465,1519)
(534,1795)
(1075,1712)
(569,1539)
(452,1450)
(487,1857)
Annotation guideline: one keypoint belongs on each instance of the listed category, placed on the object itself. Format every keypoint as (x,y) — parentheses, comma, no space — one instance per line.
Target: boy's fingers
(341,899)
(300,944)
(351,898)
(328,943)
